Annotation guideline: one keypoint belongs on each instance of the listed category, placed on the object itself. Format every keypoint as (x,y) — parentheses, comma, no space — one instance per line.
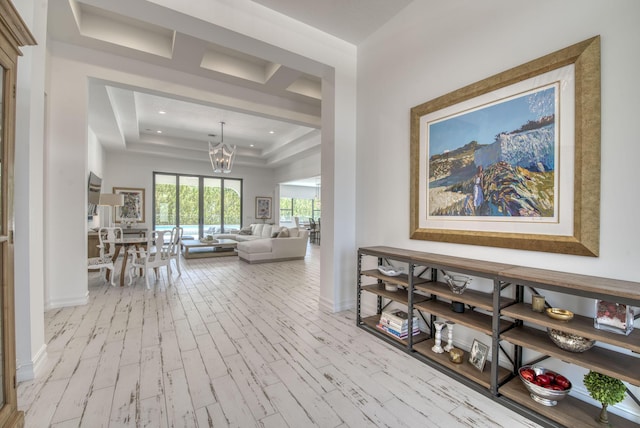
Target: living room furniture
(499,317)
(13,34)
(103,260)
(135,243)
(195,249)
(293,247)
(156,254)
(176,241)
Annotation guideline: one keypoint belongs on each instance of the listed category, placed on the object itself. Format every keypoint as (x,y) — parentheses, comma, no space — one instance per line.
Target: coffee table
(195,249)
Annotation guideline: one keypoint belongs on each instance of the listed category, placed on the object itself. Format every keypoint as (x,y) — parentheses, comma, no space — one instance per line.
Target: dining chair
(176,244)
(104,261)
(312,230)
(156,255)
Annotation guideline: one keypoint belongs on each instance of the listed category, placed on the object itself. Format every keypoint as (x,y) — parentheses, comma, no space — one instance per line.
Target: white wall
(95,164)
(432,48)
(29,196)
(135,170)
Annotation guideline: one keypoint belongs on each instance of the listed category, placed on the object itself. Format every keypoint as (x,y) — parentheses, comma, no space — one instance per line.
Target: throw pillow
(284,233)
(274,234)
(245,231)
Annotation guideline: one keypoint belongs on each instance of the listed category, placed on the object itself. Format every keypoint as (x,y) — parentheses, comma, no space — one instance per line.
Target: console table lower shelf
(569,412)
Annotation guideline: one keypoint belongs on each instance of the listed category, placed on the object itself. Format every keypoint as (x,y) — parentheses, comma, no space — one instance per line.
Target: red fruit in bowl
(552,376)
(528,374)
(563,382)
(556,387)
(543,379)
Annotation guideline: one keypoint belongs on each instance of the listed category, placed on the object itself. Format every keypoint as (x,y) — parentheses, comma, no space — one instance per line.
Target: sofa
(263,243)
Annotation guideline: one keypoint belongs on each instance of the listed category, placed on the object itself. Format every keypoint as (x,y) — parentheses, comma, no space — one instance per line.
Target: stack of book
(396,323)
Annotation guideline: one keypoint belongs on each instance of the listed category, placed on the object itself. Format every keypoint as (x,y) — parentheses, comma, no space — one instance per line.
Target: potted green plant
(605,389)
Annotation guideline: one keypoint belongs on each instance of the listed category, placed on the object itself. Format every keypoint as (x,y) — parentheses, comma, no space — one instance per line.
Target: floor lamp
(111,200)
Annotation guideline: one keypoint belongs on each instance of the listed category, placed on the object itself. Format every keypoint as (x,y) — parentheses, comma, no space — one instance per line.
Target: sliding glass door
(201,205)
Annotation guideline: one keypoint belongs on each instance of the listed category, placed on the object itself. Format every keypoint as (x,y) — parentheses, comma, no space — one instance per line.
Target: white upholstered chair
(176,243)
(154,256)
(104,262)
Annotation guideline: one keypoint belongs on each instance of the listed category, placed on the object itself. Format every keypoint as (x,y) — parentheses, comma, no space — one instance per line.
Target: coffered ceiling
(271,111)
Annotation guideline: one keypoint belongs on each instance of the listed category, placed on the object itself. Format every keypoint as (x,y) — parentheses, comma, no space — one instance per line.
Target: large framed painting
(513,161)
(133,208)
(263,207)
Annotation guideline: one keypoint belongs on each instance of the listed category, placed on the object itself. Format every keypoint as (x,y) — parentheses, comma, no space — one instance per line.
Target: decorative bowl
(544,396)
(391,270)
(457,283)
(570,342)
(559,314)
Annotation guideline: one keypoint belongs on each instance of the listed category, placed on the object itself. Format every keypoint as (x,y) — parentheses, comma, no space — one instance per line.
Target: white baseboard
(29,370)
(331,306)
(68,301)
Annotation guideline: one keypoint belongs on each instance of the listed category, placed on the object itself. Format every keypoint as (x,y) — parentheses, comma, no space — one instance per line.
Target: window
(201,205)
(302,208)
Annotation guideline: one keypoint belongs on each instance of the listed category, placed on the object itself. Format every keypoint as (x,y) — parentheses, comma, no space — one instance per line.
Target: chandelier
(222,155)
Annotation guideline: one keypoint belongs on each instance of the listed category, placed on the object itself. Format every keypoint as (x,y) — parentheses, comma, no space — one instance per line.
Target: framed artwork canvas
(263,207)
(133,208)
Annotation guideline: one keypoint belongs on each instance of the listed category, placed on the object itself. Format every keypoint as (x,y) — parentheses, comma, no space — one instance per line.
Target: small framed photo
(263,207)
(478,354)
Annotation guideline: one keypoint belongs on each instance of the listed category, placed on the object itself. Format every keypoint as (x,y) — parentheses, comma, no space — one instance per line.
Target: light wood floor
(233,344)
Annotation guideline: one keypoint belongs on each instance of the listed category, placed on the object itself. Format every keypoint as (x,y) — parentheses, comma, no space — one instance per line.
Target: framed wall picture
(478,354)
(513,161)
(133,208)
(263,207)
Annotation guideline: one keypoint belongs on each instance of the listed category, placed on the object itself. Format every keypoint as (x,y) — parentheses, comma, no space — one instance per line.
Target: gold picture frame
(584,238)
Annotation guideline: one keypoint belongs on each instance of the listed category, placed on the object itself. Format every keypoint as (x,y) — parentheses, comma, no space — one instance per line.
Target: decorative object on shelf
(128,222)
(396,323)
(209,239)
(560,314)
(605,389)
(390,286)
(457,307)
(457,283)
(391,270)
(613,317)
(479,353)
(222,155)
(537,303)
(544,386)
(437,348)
(449,346)
(570,342)
(456,355)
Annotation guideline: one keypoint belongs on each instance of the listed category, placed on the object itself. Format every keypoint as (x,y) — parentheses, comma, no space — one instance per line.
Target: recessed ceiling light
(251,145)
(159,132)
(272,132)
(162,112)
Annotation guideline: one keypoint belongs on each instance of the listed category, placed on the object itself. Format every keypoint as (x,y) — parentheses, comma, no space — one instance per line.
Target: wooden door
(13,34)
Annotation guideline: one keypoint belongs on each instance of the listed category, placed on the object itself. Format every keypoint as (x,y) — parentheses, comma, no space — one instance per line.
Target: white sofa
(261,246)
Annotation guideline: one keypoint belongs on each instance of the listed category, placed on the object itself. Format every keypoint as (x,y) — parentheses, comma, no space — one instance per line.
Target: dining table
(119,244)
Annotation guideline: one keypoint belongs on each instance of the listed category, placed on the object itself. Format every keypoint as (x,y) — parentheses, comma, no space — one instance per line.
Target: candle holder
(537,303)
(437,348)
(449,346)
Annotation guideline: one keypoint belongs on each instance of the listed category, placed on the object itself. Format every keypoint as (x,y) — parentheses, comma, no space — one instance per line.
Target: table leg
(123,271)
